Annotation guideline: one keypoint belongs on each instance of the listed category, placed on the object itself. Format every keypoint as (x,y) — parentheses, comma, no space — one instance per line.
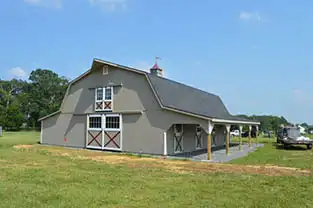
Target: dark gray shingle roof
(175,95)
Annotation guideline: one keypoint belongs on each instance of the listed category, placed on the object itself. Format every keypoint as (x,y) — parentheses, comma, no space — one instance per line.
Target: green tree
(45,94)
(14,118)
(10,103)
(22,101)
(267,122)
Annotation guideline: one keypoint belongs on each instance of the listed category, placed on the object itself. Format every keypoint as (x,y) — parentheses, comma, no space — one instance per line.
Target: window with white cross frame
(104,99)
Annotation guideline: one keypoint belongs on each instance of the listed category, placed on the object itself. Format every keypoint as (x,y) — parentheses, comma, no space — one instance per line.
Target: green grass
(293,156)
(34,178)
(10,139)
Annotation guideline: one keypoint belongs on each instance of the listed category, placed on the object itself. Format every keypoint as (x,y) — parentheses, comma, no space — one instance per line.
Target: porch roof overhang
(229,121)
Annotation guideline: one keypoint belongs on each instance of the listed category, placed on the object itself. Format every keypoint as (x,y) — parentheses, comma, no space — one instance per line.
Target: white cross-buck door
(178,138)
(104,132)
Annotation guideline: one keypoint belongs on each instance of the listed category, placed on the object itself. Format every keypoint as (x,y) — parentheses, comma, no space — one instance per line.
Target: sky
(256,55)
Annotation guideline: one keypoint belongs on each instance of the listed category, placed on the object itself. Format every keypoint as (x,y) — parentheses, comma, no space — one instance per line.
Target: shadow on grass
(289,147)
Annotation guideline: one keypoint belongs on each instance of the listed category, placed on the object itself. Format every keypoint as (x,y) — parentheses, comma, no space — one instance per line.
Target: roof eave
(48,116)
(218,120)
(96,60)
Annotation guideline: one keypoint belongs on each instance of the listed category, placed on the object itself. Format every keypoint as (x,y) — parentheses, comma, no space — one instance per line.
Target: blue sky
(256,55)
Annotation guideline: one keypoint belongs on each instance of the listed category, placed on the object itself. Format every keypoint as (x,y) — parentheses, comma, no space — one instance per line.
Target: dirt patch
(24,146)
(177,166)
(253,169)
(188,166)
(117,159)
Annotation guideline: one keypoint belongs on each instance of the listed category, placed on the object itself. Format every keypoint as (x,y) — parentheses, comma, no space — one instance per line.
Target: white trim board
(41,132)
(215,120)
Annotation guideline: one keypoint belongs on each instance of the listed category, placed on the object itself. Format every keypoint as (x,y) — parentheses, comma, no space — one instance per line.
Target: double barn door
(104,131)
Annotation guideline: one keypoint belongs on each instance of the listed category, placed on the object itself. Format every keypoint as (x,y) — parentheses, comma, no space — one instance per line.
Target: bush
(13,119)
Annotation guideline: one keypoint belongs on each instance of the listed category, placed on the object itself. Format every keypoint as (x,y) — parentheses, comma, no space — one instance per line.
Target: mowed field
(32,175)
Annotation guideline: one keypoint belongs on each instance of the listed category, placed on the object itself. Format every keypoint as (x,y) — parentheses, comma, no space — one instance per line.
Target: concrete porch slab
(219,155)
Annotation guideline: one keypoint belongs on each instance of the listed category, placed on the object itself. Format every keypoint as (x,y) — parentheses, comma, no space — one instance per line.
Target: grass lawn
(294,156)
(40,176)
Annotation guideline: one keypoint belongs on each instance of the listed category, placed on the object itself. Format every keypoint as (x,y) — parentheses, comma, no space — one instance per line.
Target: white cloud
(109,5)
(247,16)
(45,3)
(18,72)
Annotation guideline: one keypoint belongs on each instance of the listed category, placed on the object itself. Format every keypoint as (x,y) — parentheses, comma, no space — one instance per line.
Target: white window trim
(111,129)
(95,116)
(105,70)
(103,98)
(111,88)
(108,100)
(96,97)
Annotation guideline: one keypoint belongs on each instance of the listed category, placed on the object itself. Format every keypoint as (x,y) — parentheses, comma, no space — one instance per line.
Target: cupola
(156,70)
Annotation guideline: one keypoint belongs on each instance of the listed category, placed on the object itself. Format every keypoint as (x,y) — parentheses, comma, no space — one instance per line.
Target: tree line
(272,123)
(22,102)
(268,122)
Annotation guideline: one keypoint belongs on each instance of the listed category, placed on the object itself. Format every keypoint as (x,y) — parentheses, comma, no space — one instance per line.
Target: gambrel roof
(178,97)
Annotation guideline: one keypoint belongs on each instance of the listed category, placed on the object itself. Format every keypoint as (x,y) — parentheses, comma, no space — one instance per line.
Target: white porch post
(250,127)
(256,134)
(240,137)
(41,132)
(227,138)
(209,131)
(165,143)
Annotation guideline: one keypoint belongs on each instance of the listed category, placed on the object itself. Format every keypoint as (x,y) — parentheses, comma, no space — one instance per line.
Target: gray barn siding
(189,143)
(81,97)
(140,137)
(61,126)
(141,132)
(219,136)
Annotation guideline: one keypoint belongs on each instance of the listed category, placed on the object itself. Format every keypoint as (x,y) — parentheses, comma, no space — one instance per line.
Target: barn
(112,107)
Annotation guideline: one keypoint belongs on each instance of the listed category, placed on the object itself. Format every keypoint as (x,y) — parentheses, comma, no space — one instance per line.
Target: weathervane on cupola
(156,70)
